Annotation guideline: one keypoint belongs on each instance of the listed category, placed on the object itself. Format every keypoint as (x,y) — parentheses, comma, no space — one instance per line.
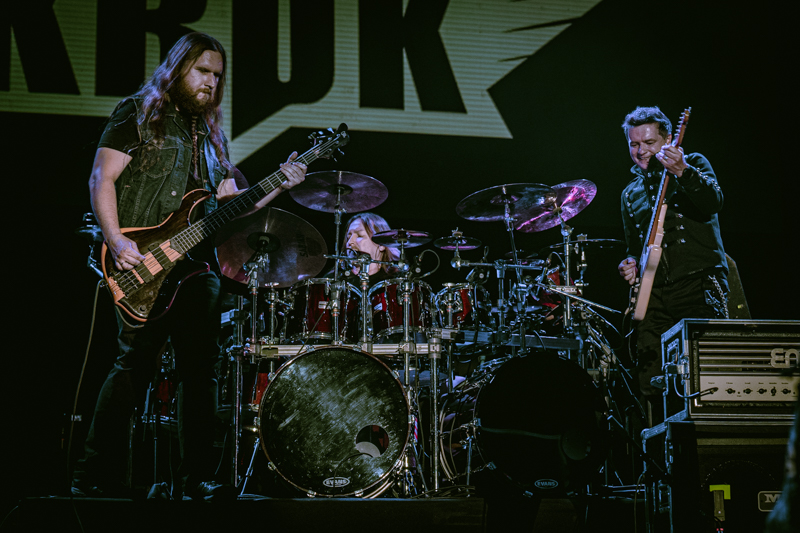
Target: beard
(186,99)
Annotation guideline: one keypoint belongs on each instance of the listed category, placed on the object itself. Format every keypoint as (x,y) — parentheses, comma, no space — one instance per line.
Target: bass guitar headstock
(328,143)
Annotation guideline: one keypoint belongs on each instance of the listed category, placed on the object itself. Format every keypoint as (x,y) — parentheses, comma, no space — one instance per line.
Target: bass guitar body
(147,291)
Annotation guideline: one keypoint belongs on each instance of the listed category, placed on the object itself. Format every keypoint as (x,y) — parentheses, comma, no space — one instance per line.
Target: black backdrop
(563,106)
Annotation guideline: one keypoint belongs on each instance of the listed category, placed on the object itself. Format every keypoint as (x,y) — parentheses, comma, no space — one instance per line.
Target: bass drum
(534,424)
(335,422)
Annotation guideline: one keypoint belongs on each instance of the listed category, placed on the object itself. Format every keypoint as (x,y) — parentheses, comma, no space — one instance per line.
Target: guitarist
(691,278)
(160,143)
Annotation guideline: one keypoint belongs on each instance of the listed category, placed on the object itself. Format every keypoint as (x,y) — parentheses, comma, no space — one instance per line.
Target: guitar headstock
(680,129)
(329,143)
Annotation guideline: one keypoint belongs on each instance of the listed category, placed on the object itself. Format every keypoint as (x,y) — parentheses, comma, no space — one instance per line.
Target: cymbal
(597,244)
(295,249)
(90,233)
(489,204)
(457,241)
(460,243)
(321,191)
(394,238)
(571,198)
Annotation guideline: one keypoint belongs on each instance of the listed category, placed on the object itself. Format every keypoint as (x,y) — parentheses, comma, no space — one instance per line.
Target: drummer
(358,239)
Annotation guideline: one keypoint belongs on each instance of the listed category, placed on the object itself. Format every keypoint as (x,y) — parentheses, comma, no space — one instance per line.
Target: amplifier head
(732,369)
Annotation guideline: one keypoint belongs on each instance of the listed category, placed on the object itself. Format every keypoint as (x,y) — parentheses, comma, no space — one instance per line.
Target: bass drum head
(539,426)
(335,422)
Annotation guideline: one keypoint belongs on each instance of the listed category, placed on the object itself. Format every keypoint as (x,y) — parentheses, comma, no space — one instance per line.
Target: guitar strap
(195,155)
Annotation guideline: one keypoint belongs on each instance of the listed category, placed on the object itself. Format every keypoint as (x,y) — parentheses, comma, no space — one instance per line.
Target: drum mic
(415,268)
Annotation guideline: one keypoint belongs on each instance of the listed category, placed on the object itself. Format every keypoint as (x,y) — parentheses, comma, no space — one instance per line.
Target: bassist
(162,142)
(691,278)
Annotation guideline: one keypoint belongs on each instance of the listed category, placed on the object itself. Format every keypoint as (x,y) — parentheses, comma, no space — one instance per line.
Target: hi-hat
(294,248)
(322,191)
(394,238)
(571,197)
(489,205)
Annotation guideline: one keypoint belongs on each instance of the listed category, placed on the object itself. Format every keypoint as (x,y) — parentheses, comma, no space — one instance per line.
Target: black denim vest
(153,184)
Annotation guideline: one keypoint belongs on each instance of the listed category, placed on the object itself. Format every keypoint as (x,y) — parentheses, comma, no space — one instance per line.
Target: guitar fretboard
(190,237)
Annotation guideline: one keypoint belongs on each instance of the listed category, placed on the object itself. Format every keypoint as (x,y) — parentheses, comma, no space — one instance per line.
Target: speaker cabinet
(709,475)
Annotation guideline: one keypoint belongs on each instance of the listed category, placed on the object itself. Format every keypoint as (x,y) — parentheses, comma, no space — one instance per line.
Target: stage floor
(384,515)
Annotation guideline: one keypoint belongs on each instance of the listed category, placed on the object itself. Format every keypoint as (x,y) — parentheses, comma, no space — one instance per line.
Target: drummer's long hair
(373,224)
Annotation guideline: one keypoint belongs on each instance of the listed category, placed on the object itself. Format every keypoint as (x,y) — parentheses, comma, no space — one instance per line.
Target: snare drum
(309,319)
(469,304)
(386,298)
(335,422)
(533,423)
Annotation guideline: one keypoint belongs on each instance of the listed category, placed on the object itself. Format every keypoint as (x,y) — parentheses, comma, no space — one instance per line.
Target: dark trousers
(192,326)
(704,297)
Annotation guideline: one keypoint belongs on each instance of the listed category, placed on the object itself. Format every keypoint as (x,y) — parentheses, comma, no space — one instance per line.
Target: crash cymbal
(457,241)
(489,204)
(295,249)
(394,238)
(321,191)
(571,198)
(594,244)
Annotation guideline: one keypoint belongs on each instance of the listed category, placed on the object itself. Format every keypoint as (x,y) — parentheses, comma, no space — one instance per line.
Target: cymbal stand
(566,232)
(338,285)
(450,302)
(408,347)
(366,324)
(238,351)
(272,301)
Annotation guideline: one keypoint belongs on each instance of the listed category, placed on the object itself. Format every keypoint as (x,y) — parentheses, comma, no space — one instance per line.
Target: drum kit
(349,386)
(349,389)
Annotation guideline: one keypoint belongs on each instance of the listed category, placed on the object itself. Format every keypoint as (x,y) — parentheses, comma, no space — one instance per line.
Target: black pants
(192,326)
(704,297)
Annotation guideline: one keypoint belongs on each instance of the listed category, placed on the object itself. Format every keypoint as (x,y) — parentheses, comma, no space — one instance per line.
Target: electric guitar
(147,291)
(651,254)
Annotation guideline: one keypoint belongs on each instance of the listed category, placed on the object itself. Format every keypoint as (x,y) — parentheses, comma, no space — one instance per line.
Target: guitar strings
(186,239)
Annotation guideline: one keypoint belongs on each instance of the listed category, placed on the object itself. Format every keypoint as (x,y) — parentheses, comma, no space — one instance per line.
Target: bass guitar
(651,254)
(147,291)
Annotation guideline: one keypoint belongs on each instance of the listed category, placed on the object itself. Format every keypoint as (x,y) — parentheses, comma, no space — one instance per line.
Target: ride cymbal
(294,248)
(571,197)
(323,191)
(489,205)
